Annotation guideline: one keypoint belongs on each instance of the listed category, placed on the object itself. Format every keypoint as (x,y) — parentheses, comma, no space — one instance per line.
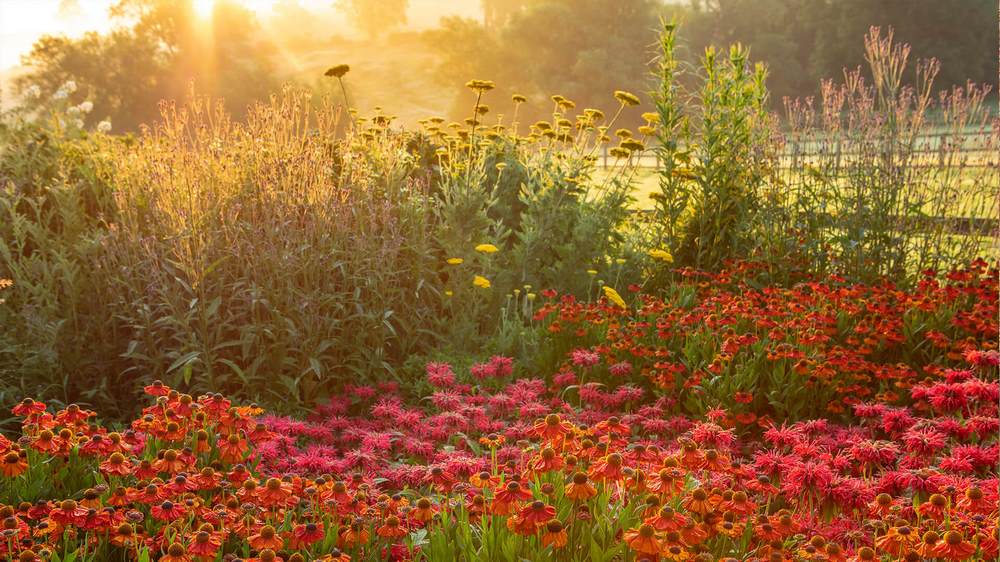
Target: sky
(22,22)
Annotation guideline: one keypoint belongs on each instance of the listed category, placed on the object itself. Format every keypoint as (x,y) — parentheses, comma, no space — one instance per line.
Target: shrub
(715,153)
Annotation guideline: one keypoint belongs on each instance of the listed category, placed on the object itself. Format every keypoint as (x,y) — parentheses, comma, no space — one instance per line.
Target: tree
(581,49)
(120,73)
(805,41)
(496,13)
(375,17)
(160,55)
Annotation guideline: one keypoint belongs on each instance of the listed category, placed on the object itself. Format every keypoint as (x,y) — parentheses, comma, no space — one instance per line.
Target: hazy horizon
(22,22)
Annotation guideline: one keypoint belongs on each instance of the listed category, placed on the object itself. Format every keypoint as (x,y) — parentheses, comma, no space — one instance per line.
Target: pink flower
(563,379)
(983,358)
(584,358)
(440,375)
(502,366)
(621,369)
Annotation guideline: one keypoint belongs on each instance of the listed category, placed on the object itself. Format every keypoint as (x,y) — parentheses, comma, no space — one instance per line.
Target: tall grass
(876,198)
(279,260)
(866,203)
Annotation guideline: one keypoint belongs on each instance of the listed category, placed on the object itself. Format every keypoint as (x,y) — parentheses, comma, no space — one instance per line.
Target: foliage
(276,261)
(282,257)
(715,146)
(162,51)
(869,185)
(805,41)
(883,189)
(375,17)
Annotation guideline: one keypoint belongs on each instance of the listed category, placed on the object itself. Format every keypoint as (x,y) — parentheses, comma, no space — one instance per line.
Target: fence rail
(962,226)
(976,149)
(975,146)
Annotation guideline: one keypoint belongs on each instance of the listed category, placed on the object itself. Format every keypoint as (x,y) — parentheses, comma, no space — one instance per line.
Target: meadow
(314,334)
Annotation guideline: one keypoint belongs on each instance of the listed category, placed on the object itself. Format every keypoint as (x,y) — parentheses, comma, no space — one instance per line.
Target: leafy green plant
(714,152)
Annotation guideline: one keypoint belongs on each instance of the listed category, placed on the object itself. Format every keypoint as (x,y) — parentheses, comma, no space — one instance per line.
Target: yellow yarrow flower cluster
(614,297)
(662,255)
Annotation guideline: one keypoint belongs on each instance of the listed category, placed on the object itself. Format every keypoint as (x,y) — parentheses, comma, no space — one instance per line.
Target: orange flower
(176,553)
(897,541)
(116,465)
(352,535)
(699,502)
(307,534)
(15,463)
(423,512)
(205,544)
(552,428)
(608,468)
(274,493)
(440,479)
(954,547)
(335,556)
(232,449)
(171,462)
(267,537)
(928,543)
(505,501)
(580,488)
(667,520)
(46,442)
(519,526)
(668,481)
(547,461)
(484,480)
(537,513)
(643,540)
(125,535)
(168,511)
(391,529)
(555,534)
(68,513)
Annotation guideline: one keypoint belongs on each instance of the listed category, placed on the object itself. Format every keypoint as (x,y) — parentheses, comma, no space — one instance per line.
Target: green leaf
(185,359)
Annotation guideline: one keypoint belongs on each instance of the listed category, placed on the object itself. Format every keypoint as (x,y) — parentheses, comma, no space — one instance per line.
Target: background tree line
(581,49)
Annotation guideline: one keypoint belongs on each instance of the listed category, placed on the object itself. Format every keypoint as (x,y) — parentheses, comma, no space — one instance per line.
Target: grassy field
(977,198)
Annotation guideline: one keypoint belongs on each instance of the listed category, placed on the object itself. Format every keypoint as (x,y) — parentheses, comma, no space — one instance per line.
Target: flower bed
(811,350)
(518,473)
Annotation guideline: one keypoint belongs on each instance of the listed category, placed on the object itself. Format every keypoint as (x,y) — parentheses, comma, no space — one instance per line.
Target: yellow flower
(591,272)
(481,282)
(455,261)
(487,248)
(627,98)
(661,255)
(449,293)
(480,85)
(614,297)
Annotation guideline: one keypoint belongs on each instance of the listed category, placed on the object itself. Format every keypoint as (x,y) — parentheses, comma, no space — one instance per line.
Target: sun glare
(203,8)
